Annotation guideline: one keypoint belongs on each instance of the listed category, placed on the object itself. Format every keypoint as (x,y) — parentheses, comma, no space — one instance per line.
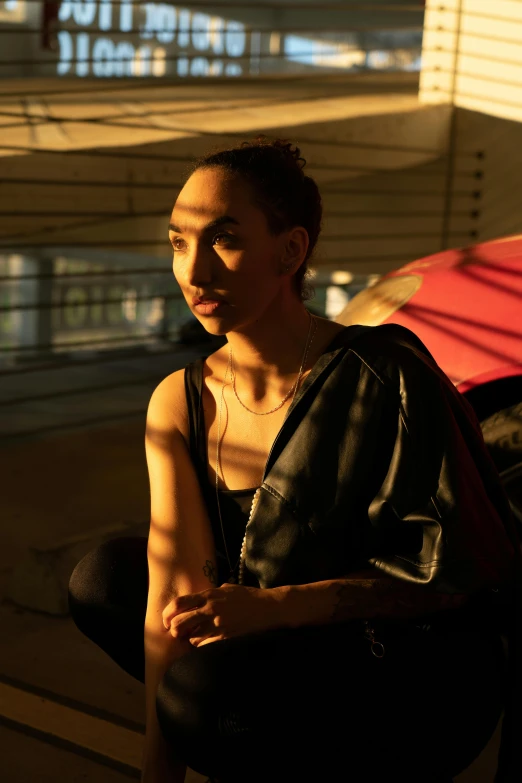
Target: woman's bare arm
(362,595)
(234,610)
(180,546)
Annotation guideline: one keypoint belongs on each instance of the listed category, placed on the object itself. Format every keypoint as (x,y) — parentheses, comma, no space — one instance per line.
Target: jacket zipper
(243,545)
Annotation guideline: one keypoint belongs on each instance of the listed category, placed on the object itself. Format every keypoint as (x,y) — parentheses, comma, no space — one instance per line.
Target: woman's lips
(209,306)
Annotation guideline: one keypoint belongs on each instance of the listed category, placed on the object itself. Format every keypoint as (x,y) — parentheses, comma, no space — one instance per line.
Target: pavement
(73,468)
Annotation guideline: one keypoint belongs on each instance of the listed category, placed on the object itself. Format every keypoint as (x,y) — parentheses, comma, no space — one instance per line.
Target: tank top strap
(193,392)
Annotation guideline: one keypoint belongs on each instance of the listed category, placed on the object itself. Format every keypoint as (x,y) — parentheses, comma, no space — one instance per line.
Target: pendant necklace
(232,579)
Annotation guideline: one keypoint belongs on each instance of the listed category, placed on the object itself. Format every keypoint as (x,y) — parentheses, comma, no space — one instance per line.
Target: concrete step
(78,745)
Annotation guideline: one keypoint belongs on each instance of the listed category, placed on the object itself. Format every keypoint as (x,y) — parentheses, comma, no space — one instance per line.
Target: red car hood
(464,304)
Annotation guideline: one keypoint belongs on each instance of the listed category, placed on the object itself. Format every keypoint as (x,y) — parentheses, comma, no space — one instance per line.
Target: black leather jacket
(381,462)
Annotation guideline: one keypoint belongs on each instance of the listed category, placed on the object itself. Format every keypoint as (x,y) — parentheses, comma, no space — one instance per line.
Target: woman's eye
(176,246)
(226,237)
(174,243)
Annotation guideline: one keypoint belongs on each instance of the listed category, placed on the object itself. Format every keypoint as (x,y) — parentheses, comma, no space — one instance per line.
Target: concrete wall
(377,155)
(402,174)
(501,187)
(397,217)
(472,56)
(472,61)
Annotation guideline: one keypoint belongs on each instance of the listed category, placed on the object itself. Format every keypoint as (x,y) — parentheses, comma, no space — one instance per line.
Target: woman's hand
(222,612)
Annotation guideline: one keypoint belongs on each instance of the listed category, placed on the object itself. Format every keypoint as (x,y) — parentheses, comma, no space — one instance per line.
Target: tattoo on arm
(350,599)
(210,571)
(387,597)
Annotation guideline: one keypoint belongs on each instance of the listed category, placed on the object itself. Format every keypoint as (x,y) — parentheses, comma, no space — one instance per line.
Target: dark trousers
(305,704)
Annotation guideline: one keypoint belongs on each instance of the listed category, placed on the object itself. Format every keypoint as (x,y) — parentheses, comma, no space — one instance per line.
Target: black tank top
(235,504)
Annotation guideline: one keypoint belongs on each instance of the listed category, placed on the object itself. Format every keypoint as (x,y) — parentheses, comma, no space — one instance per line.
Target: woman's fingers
(193,624)
(176,610)
(200,641)
(181,605)
(182,625)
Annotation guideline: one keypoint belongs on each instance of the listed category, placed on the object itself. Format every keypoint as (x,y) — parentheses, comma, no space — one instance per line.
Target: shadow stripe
(74,704)
(78,750)
(16,437)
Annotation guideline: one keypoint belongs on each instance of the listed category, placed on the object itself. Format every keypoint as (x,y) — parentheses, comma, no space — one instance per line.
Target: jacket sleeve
(437,518)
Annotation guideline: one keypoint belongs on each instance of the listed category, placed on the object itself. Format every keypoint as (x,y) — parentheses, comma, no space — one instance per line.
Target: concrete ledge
(39,581)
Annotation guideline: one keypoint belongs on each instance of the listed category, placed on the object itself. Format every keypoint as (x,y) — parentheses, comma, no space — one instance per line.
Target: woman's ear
(295,250)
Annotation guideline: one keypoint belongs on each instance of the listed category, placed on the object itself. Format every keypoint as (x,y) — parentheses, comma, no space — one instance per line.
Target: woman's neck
(268,354)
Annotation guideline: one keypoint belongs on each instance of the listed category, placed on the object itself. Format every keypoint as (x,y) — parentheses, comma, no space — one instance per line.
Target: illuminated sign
(147,39)
(13,11)
(347,55)
(323,53)
(125,38)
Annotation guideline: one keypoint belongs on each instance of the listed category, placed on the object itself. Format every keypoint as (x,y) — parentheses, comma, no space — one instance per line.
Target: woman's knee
(108,572)
(194,690)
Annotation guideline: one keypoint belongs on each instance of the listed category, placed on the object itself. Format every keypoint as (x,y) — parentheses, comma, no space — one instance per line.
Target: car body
(466,306)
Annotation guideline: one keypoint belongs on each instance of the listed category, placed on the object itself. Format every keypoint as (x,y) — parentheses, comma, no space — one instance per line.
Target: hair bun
(284,148)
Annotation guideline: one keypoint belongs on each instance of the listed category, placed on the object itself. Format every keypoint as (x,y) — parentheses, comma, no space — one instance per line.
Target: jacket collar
(340,342)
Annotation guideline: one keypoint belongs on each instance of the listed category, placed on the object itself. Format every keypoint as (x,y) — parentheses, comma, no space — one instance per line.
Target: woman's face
(223,248)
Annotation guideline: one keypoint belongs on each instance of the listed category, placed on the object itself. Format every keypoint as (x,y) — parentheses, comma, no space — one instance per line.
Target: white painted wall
(472,63)
(472,56)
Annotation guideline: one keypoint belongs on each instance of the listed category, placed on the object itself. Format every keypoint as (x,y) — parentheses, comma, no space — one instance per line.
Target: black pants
(306,704)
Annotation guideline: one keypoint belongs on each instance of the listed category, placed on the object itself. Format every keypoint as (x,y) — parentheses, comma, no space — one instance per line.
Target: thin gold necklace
(294,388)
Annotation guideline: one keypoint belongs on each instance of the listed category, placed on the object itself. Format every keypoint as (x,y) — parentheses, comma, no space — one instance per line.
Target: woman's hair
(286,195)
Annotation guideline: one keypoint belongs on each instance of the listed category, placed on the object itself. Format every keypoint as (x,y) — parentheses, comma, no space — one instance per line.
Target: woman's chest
(245,439)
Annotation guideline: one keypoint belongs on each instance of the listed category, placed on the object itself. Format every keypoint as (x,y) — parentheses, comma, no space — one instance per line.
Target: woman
(344,650)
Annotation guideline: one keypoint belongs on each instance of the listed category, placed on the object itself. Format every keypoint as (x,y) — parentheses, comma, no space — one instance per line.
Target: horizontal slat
(66,727)
(498,11)
(56,720)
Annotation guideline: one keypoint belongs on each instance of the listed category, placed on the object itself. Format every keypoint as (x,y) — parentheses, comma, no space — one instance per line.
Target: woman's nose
(198,270)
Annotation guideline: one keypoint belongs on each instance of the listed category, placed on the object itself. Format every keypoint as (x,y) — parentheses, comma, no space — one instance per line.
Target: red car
(466,307)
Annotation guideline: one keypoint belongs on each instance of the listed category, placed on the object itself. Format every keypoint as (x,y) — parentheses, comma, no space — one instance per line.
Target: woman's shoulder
(388,343)
(181,389)
(399,359)
(168,403)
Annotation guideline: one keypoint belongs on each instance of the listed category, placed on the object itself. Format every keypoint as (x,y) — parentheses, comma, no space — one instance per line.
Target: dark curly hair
(286,195)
